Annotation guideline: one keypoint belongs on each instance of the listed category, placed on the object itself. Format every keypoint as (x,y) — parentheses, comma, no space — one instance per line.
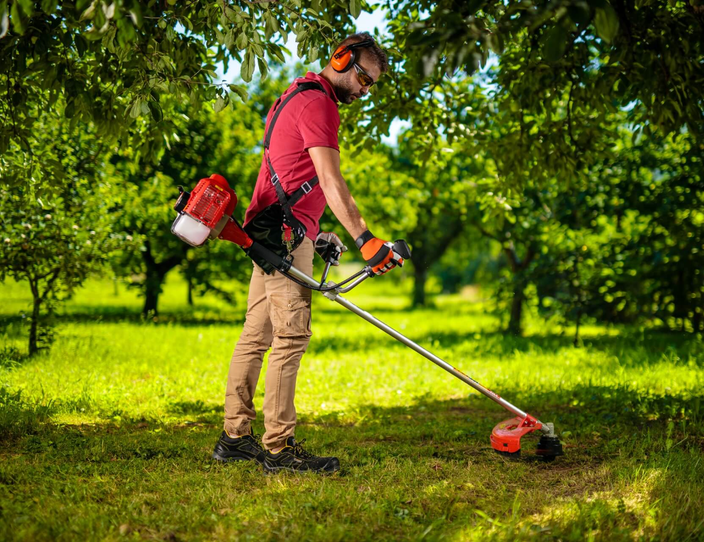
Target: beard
(344,93)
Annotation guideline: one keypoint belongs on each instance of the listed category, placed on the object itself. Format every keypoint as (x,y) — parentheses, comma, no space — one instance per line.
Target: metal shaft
(335,296)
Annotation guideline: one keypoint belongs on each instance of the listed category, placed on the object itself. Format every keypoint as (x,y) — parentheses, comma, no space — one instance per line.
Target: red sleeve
(319,123)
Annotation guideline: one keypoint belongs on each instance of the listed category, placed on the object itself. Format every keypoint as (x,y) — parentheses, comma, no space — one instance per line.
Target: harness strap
(288,201)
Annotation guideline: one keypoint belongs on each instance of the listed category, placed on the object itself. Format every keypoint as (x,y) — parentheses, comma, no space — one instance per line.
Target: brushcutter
(206,213)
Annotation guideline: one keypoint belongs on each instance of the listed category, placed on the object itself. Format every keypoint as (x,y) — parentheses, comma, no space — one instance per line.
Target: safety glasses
(363,77)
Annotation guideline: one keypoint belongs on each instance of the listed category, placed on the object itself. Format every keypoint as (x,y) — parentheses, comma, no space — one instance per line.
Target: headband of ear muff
(344,57)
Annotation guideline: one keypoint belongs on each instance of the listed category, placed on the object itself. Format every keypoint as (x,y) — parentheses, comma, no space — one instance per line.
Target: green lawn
(109,435)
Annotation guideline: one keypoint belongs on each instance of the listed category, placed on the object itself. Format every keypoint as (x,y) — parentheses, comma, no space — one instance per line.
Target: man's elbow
(329,179)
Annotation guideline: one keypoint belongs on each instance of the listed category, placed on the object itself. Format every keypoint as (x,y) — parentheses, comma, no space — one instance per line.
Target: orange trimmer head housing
(506,437)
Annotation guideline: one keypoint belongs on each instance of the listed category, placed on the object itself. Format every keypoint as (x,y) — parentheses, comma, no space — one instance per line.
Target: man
(303,144)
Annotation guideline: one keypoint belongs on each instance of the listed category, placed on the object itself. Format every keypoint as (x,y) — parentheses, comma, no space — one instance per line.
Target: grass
(108,435)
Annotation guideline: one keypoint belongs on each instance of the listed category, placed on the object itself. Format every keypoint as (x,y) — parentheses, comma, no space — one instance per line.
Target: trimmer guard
(506,436)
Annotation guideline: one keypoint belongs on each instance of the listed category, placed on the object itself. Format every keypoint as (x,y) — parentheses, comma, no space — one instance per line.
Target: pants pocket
(290,315)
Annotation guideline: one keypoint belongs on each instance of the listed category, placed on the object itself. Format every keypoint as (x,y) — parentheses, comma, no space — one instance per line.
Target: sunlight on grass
(114,426)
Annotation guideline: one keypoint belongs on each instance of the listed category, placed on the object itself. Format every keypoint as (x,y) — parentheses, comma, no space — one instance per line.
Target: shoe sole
(230,459)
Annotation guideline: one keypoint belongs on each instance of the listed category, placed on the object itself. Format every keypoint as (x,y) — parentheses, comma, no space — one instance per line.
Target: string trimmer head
(506,437)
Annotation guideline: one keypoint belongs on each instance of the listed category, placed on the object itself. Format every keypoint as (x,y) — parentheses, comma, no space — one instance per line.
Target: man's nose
(364,91)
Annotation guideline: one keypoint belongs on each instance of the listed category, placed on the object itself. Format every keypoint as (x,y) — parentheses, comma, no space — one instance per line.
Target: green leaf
(27,6)
(606,23)
(247,67)
(136,108)
(81,45)
(240,91)
(4,24)
(230,39)
(70,109)
(89,12)
(580,13)
(355,8)
(496,43)
(268,26)
(242,41)
(276,51)
(263,68)
(17,24)
(49,6)
(219,104)
(157,113)
(313,54)
(555,43)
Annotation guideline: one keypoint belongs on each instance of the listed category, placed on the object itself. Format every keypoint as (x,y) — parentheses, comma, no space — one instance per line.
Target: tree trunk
(514,324)
(576,331)
(420,274)
(190,291)
(152,289)
(34,320)
(156,272)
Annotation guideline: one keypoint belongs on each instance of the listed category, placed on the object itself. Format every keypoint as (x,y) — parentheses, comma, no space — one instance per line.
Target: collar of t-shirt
(312,76)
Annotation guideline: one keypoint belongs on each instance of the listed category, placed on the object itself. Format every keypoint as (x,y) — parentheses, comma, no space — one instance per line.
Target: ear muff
(343,59)
(344,56)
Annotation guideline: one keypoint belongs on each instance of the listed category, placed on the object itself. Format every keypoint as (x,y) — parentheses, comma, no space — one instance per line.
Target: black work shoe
(242,448)
(294,457)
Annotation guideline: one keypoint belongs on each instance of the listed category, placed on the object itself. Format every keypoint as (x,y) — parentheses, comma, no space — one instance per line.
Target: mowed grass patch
(108,436)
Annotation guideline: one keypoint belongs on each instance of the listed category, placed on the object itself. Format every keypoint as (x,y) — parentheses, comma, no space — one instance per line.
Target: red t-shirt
(310,119)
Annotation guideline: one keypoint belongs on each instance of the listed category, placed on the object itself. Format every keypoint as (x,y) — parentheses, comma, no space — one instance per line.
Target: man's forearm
(342,204)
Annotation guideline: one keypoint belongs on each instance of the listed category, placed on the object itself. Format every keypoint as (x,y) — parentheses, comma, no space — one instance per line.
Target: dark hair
(376,53)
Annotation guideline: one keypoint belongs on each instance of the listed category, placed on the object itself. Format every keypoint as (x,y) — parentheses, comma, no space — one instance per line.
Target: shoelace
(298,449)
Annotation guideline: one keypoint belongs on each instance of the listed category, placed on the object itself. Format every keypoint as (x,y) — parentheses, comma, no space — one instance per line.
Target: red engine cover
(210,200)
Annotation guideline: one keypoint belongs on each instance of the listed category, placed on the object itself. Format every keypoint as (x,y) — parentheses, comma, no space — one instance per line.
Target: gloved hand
(379,254)
(329,246)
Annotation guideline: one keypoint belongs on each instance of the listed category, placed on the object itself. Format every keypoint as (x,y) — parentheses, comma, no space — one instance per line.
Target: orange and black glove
(379,254)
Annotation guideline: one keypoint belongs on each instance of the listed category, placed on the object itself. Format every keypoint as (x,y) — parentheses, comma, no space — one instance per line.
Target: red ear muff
(343,59)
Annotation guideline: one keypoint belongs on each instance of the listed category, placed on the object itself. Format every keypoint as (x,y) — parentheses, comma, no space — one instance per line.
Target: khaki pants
(278,316)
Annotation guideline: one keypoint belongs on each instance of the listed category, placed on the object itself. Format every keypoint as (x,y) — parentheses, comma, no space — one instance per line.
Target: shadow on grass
(202,411)
(13,326)
(405,469)
(632,349)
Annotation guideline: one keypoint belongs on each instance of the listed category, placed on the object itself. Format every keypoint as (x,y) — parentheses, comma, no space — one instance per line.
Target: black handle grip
(260,251)
(402,249)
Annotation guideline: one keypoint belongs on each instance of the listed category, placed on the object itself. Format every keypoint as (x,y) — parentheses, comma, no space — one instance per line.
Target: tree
(227,142)
(55,243)
(114,64)
(645,53)
(53,248)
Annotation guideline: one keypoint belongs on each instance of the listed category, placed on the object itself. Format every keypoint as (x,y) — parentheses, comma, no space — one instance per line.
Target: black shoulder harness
(288,201)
